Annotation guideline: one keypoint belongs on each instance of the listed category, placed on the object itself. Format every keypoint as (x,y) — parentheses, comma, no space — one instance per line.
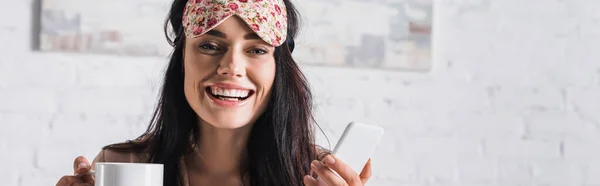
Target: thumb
(81,165)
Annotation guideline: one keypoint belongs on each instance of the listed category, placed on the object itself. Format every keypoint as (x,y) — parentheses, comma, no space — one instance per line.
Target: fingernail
(330,160)
(81,165)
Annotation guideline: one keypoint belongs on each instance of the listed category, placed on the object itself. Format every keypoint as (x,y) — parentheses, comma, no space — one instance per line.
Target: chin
(228,122)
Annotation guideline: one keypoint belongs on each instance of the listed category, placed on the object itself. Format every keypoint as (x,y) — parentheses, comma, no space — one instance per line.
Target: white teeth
(228,99)
(229,92)
(243,93)
(219,91)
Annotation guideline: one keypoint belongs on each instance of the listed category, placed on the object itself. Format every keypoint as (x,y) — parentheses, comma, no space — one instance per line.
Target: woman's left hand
(328,178)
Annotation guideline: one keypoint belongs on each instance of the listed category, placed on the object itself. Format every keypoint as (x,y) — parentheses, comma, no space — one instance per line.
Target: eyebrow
(216,33)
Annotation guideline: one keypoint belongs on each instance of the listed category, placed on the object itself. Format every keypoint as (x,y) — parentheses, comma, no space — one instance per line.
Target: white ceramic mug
(128,174)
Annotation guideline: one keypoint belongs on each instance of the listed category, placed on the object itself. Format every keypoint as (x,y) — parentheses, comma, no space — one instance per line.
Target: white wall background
(513,99)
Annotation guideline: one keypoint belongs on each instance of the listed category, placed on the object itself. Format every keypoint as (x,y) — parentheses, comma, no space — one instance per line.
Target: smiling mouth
(229,94)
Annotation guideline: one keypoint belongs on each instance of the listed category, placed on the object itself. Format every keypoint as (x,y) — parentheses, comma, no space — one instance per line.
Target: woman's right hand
(81,167)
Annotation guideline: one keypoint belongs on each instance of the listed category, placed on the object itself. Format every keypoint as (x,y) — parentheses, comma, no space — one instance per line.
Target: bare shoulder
(110,155)
(123,153)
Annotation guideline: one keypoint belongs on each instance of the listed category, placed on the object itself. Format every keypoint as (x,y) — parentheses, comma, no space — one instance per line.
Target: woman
(234,108)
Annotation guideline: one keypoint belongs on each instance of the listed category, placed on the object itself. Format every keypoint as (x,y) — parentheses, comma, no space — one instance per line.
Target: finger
(88,178)
(81,165)
(309,181)
(326,175)
(68,181)
(349,175)
(320,182)
(82,184)
(365,174)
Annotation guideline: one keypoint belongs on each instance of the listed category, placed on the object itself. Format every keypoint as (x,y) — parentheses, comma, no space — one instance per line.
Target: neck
(221,151)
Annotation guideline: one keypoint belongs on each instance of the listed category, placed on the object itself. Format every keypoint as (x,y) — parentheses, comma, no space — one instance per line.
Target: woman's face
(229,72)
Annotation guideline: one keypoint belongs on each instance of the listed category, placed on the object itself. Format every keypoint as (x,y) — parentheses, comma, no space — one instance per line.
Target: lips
(228,95)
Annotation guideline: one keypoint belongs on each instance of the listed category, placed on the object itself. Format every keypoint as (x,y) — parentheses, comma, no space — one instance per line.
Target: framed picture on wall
(132,28)
(384,34)
(387,34)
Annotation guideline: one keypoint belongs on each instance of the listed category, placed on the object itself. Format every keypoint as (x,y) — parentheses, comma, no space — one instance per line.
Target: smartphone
(357,144)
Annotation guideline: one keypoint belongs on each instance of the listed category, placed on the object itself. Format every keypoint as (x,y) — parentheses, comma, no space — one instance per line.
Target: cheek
(197,67)
(195,70)
(191,81)
(265,76)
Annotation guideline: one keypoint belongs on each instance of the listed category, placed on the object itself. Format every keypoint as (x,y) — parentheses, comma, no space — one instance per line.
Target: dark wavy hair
(281,144)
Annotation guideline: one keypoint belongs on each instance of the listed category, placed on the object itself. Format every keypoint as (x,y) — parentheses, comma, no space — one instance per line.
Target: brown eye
(258,51)
(209,47)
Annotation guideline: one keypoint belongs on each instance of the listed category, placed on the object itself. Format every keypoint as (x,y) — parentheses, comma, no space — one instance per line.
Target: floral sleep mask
(268,18)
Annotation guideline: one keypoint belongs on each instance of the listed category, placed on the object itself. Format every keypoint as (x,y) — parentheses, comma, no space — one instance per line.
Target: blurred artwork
(384,34)
(132,28)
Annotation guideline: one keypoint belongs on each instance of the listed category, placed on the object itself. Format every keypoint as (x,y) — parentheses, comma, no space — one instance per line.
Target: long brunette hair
(281,144)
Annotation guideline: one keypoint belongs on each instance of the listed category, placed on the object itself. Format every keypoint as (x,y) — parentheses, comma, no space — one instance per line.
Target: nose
(232,64)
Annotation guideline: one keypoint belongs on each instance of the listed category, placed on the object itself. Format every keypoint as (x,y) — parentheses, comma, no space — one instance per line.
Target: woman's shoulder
(111,155)
(126,152)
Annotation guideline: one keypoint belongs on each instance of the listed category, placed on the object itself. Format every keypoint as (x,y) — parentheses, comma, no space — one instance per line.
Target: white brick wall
(513,99)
